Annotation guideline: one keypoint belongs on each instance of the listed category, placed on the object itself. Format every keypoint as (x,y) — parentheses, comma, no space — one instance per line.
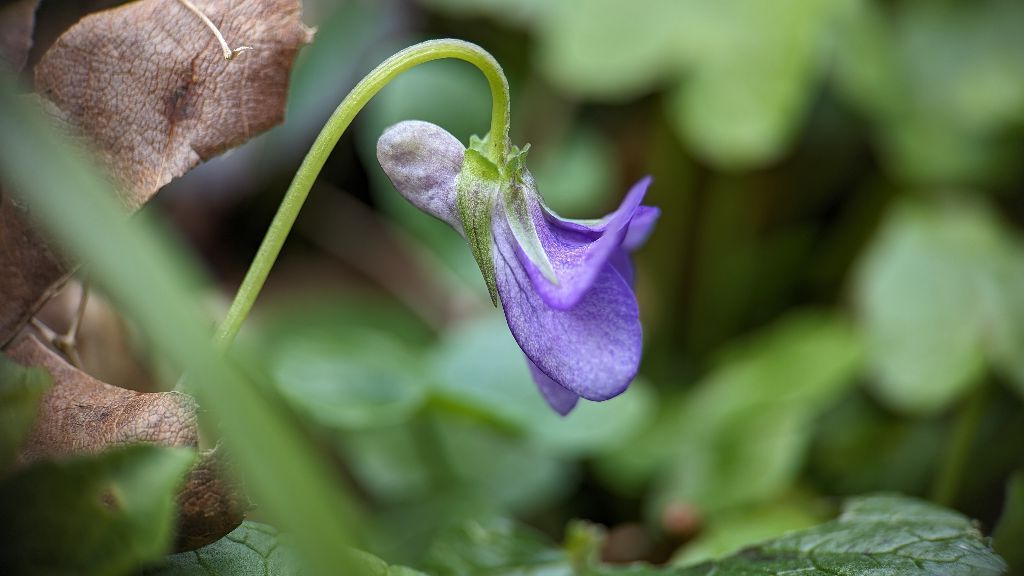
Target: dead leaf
(147,84)
(17,21)
(30,272)
(210,505)
(106,345)
(79,414)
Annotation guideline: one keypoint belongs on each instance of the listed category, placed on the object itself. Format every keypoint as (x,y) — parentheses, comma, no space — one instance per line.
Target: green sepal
(475,191)
(515,183)
(514,195)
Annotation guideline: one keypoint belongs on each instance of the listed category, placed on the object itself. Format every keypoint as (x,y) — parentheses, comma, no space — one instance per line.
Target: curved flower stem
(332,131)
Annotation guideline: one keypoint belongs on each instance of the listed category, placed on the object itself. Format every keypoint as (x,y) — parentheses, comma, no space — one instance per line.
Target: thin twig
(229,53)
(67,343)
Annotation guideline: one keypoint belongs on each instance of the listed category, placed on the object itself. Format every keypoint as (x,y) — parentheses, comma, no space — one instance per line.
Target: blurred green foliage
(20,392)
(94,515)
(835,283)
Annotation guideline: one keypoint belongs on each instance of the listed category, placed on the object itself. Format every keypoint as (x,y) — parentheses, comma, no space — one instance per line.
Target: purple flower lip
(579,330)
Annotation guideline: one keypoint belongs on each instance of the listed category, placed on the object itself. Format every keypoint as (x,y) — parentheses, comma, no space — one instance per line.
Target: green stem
(332,131)
(968,417)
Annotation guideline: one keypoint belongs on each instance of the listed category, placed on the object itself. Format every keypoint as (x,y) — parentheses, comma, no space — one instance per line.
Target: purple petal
(640,227)
(623,264)
(625,209)
(423,161)
(561,399)
(592,349)
(579,252)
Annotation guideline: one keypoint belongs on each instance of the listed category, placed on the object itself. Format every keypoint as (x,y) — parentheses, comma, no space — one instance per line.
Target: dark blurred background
(833,300)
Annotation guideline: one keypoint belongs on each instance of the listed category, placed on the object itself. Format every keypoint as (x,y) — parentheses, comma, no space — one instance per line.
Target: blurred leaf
(101,514)
(443,454)
(355,379)
(726,533)
(442,469)
(480,369)
(508,11)
(334,316)
(940,291)
(740,436)
(255,548)
(1008,537)
(860,447)
(940,83)
(497,548)
(252,548)
(20,391)
(576,174)
(875,534)
(500,470)
(745,69)
(614,50)
(388,461)
(744,102)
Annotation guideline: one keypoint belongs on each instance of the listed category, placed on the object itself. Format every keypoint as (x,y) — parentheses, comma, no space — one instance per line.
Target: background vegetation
(833,300)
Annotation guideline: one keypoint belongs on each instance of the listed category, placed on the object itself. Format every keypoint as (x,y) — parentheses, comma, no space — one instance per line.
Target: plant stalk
(329,136)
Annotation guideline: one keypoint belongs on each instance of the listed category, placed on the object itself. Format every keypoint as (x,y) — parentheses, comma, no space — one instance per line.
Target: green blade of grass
(155,283)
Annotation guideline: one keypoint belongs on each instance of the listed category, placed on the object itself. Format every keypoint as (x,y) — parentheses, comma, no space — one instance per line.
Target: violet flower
(565,285)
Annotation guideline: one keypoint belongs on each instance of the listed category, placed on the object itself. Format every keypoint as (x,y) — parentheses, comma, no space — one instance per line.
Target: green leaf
(1008,537)
(255,548)
(442,455)
(252,548)
(880,534)
(577,173)
(875,534)
(728,532)
(525,479)
(614,50)
(511,11)
(495,548)
(20,391)
(744,70)
(939,81)
(476,191)
(101,514)
(353,379)
(860,446)
(741,435)
(743,103)
(940,291)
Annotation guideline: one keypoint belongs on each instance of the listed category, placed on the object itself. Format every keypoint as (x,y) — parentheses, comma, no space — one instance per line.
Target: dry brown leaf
(80,414)
(210,505)
(30,272)
(106,346)
(147,84)
(17,21)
